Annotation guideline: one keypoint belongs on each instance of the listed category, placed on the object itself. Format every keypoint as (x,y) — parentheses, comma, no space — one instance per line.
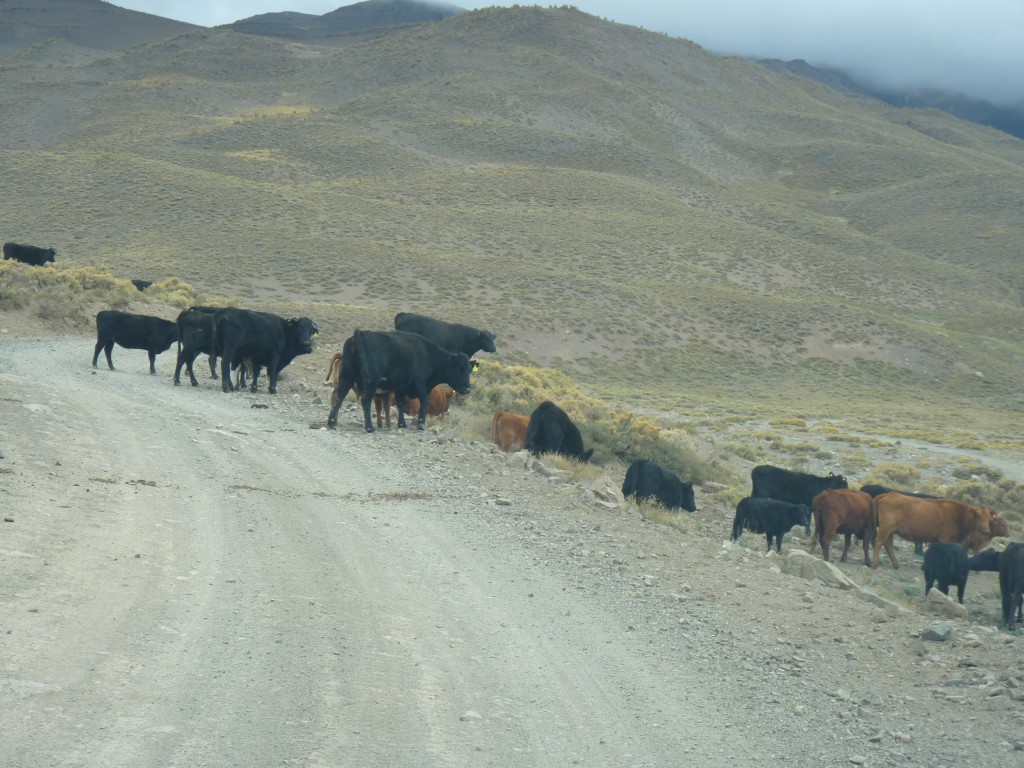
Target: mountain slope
(654,219)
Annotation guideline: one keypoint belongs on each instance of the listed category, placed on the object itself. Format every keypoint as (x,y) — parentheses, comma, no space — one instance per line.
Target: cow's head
(458,371)
(303,331)
(687,501)
(486,341)
(49,254)
(805,517)
(837,481)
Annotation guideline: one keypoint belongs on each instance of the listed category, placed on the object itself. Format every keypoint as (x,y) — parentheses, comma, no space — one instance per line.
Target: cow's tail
(494,427)
(819,532)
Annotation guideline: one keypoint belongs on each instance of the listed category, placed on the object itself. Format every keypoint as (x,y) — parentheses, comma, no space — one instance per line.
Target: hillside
(689,231)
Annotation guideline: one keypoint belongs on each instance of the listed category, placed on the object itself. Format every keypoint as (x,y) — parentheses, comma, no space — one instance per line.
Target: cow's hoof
(420,426)
(271,391)
(370,430)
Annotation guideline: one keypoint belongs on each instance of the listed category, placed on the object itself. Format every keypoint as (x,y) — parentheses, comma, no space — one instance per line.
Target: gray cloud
(975,48)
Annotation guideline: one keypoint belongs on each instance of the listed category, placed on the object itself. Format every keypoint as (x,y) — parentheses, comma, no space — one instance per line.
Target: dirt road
(188,578)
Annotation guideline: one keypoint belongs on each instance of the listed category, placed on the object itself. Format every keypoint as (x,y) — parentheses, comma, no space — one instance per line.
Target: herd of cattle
(781,499)
(424,362)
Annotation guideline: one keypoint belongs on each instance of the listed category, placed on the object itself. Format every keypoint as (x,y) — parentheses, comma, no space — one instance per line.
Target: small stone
(858,759)
(503,502)
(471,715)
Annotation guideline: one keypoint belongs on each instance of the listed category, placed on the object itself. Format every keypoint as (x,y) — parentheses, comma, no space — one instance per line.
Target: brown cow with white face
(927,520)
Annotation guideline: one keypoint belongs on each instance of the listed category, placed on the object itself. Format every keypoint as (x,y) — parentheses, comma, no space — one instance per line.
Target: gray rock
(936,602)
(938,631)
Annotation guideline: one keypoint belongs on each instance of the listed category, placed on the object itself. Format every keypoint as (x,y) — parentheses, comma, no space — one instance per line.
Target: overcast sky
(971,46)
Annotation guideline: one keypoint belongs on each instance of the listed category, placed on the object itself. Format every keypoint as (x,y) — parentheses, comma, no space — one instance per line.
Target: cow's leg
(272,372)
(919,549)
(400,405)
(421,420)
(213,367)
(256,367)
(225,372)
(189,362)
(152,363)
(96,351)
(107,349)
(367,400)
(337,398)
(847,540)
(960,591)
(867,547)
(890,551)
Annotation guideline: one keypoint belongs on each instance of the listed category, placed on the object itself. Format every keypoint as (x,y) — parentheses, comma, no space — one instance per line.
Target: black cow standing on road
(647,480)
(404,363)
(153,334)
(772,517)
(455,337)
(270,341)
(551,431)
(29,254)
(195,337)
(946,563)
(795,487)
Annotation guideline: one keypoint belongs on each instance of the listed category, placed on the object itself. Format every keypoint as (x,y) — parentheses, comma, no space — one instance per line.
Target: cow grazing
(946,563)
(1011,582)
(551,431)
(455,337)
(195,337)
(647,480)
(795,487)
(153,334)
(142,285)
(841,510)
(772,517)
(508,430)
(270,341)
(405,363)
(29,254)
(926,520)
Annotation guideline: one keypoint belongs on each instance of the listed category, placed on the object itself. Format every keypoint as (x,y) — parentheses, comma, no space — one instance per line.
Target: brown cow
(438,401)
(926,520)
(840,510)
(508,430)
(333,371)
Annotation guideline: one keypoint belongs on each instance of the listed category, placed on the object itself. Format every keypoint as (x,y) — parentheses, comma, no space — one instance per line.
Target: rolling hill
(666,225)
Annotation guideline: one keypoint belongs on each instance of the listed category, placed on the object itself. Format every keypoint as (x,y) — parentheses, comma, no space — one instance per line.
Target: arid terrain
(194,578)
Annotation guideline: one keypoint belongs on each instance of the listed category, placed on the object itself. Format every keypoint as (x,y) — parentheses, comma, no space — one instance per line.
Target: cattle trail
(189,580)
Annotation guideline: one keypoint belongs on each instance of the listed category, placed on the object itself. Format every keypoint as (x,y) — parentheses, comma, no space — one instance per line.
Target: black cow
(873,490)
(404,363)
(795,487)
(270,341)
(647,480)
(454,337)
(28,254)
(772,517)
(550,430)
(946,563)
(988,560)
(195,337)
(1011,582)
(142,285)
(153,334)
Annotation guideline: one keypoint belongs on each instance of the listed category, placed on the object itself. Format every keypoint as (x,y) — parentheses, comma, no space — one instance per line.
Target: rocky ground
(194,578)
